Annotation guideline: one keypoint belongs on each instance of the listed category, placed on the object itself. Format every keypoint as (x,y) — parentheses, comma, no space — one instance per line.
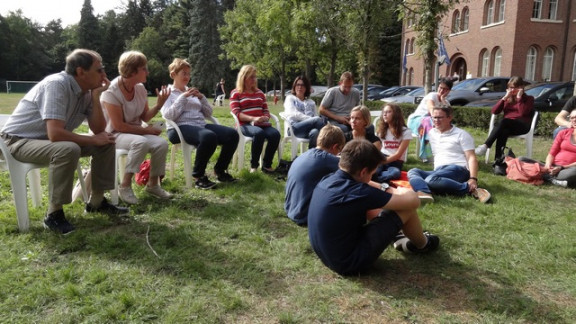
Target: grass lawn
(230,255)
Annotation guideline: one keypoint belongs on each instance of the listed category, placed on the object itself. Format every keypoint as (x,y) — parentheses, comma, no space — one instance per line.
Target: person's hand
(509,93)
(519,93)
(104,138)
(153,130)
(345,120)
(194,92)
(162,95)
(98,91)
(261,119)
(472,185)
(555,170)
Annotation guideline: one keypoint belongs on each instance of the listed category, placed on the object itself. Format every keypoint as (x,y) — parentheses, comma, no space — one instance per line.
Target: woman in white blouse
(300,111)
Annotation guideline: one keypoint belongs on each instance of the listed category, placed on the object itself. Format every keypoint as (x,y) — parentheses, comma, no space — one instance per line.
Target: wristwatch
(384,186)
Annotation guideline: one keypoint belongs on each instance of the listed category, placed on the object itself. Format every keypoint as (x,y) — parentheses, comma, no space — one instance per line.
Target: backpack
(143,176)
(525,172)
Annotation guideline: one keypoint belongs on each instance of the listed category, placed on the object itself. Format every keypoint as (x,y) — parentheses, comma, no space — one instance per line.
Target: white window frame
(548,64)
(553,10)
(456,22)
(537,9)
(531,58)
(497,62)
(501,10)
(490,13)
(465,19)
(485,64)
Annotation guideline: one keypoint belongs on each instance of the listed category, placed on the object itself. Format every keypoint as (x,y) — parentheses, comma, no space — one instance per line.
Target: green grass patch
(230,255)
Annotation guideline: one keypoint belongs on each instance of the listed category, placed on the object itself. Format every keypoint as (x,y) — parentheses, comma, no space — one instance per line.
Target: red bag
(143,176)
(525,172)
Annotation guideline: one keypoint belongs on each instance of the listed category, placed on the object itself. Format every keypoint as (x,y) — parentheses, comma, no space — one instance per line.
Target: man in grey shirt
(339,101)
(40,130)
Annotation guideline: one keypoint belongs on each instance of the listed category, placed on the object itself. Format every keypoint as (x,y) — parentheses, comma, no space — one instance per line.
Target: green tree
(151,43)
(427,14)
(112,42)
(88,28)
(366,21)
(205,43)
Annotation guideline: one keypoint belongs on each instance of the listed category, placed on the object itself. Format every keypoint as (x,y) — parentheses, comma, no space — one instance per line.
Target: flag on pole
(442,54)
(404,60)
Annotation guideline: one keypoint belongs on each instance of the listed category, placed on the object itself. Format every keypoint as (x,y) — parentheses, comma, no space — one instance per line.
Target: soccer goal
(19,86)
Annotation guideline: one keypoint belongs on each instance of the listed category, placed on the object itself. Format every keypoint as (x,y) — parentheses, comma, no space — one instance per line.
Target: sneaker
(158,192)
(57,222)
(481,149)
(108,209)
(204,183)
(127,195)
(425,198)
(224,177)
(481,194)
(252,170)
(560,183)
(405,245)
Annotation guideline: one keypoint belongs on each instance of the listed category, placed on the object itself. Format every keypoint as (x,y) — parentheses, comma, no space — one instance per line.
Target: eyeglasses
(572,117)
(100,70)
(439,117)
(300,85)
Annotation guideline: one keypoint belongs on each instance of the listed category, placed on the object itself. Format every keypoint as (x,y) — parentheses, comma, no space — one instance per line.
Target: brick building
(535,39)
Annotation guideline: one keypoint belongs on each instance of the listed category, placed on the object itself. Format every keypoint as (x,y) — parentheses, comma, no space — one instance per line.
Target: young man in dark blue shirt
(350,223)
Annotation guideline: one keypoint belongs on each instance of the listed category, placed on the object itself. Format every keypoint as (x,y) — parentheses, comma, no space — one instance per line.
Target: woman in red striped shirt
(248,103)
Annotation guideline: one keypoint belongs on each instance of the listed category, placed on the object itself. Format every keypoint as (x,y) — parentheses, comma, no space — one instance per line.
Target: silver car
(477,88)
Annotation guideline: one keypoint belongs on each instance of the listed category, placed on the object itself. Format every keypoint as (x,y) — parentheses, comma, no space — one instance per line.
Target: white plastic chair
(119,169)
(239,154)
(417,137)
(220,100)
(18,172)
(297,142)
(186,152)
(529,137)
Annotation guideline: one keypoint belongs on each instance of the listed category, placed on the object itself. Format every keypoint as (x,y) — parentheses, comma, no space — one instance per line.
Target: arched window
(531,57)
(537,9)
(497,62)
(407,47)
(501,10)
(485,64)
(465,18)
(552,13)
(490,12)
(548,63)
(412,45)
(456,22)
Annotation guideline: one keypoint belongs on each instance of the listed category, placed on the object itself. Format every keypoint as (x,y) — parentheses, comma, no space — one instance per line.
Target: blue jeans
(388,171)
(206,139)
(259,134)
(447,179)
(308,128)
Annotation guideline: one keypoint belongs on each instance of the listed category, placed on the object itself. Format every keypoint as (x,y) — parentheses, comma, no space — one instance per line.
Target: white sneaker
(158,192)
(481,149)
(127,195)
(560,183)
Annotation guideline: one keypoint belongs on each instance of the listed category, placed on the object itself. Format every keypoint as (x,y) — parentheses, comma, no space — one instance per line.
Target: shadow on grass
(448,286)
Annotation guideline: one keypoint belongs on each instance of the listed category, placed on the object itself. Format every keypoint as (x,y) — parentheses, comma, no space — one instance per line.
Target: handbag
(525,172)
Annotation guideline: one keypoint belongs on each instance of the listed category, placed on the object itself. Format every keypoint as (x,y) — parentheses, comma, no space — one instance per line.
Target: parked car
(410,97)
(474,89)
(548,96)
(393,92)
(318,90)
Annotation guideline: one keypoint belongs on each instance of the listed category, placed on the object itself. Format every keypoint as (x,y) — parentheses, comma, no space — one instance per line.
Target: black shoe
(405,245)
(108,209)
(57,222)
(225,177)
(204,183)
(268,171)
